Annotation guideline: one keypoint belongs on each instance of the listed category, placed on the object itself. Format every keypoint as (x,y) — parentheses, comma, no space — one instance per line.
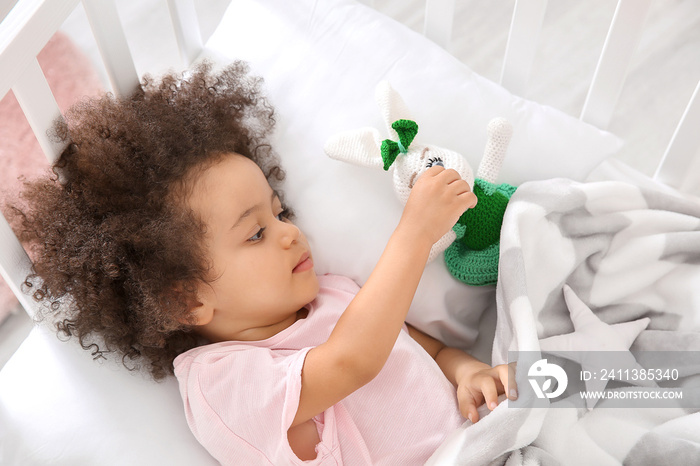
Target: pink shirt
(241,397)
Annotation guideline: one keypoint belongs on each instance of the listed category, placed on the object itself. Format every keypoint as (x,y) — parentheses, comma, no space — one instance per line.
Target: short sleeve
(240,401)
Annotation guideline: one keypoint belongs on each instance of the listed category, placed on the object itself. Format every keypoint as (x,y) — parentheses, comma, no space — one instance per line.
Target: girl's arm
(476,382)
(363,337)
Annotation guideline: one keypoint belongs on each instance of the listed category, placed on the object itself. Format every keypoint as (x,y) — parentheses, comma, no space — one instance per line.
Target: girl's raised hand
(437,200)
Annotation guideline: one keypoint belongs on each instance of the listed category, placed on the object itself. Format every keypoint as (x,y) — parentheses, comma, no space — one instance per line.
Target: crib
(321,62)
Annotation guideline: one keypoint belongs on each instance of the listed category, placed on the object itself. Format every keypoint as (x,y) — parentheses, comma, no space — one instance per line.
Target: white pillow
(321,62)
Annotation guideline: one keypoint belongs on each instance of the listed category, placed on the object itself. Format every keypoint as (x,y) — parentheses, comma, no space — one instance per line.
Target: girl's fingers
(447,175)
(459,186)
(450,177)
(470,198)
(490,391)
(467,404)
(435,170)
(473,414)
(463,190)
(486,387)
(506,373)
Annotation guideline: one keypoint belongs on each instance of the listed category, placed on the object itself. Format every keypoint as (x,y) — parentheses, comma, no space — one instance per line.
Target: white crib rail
(608,79)
(621,42)
(24,31)
(528,15)
(39,106)
(438,23)
(618,50)
(111,41)
(187,32)
(15,266)
(683,146)
(522,44)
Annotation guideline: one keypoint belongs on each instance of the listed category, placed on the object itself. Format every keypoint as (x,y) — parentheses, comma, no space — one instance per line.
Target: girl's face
(262,271)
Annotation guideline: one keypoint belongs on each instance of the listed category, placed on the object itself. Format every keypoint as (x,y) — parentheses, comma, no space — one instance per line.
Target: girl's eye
(284,215)
(257,236)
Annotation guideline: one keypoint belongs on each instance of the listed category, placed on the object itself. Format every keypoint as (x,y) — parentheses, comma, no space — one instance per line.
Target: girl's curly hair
(117,252)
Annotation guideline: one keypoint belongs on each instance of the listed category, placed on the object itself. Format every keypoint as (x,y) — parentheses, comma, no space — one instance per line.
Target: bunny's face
(410,166)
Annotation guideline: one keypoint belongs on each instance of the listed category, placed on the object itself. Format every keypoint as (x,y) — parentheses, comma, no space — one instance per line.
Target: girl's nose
(290,234)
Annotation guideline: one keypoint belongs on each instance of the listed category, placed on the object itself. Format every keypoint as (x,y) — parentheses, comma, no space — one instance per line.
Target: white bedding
(321,62)
(58,406)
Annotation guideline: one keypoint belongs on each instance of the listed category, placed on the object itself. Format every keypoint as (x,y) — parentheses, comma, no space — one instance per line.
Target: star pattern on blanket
(591,337)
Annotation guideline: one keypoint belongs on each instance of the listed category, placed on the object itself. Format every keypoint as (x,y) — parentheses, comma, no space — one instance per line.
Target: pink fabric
(240,398)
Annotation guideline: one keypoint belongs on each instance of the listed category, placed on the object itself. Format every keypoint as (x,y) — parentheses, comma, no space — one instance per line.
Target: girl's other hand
(438,198)
(483,387)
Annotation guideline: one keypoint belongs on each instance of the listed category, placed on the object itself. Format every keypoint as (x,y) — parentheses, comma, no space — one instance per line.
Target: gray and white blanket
(589,269)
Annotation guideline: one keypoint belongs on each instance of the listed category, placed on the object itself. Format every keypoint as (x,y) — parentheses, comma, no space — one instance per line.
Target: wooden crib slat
(24,32)
(5,8)
(620,44)
(15,265)
(439,17)
(525,27)
(187,33)
(683,146)
(111,41)
(39,106)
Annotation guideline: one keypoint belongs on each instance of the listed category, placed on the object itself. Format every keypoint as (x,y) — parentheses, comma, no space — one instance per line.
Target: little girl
(165,227)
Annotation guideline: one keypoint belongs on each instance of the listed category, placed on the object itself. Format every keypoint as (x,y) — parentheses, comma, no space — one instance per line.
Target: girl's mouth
(304,264)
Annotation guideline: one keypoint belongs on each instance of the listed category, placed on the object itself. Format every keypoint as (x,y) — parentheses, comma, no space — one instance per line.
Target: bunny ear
(359,147)
(499,133)
(391,105)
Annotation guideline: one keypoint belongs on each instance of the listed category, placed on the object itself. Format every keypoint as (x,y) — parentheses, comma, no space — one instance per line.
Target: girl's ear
(359,147)
(198,307)
(391,106)
(202,313)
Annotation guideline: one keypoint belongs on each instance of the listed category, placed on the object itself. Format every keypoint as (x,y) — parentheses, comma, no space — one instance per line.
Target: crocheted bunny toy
(479,228)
